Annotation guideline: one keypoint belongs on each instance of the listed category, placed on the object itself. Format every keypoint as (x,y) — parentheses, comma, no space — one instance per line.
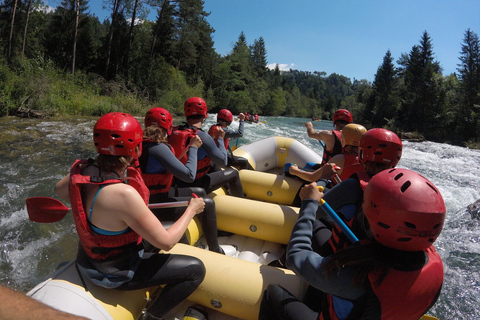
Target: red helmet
(380,145)
(159,117)
(194,106)
(117,134)
(404,209)
(342,115)
(225,115)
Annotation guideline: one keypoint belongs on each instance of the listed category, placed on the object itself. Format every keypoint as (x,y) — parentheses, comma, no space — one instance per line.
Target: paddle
(235,146)
(46,210)
(338,221)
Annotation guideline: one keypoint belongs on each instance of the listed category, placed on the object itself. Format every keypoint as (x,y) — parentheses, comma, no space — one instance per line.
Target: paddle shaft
(338,221)
(169,204)
(46,210)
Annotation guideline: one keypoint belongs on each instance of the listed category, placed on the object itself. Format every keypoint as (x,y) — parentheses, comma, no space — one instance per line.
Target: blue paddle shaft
(339,222)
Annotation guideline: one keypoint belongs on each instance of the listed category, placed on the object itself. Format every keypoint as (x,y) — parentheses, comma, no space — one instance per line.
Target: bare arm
(325,172)
(15,305)
(327,136)
(61,188)
(127,205)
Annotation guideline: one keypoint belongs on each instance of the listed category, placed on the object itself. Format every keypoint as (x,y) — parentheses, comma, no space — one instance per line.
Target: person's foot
(195,313)
(218,250)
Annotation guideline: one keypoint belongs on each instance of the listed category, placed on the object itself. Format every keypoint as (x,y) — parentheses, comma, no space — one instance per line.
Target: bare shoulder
(122,190)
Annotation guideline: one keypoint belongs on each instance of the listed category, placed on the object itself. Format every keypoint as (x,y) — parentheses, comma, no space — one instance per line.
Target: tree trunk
(10,38)
(116,6)
(26,27)
(156,30)
(75,35)
(130,39)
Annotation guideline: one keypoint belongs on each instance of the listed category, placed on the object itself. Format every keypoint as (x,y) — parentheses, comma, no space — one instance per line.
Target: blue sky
(347,37)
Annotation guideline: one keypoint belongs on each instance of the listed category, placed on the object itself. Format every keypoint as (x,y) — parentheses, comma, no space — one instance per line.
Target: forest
(65,61)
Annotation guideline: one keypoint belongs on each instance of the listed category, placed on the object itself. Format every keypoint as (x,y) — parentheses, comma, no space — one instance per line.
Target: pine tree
(259,57)
(469,76)
(422,97)
(385,93)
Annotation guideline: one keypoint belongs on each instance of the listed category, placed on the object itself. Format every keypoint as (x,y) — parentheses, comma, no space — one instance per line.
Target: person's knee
(199,191)
(197,270)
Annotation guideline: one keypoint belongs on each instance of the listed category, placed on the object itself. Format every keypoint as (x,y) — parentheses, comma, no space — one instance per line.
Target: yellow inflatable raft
(258,228)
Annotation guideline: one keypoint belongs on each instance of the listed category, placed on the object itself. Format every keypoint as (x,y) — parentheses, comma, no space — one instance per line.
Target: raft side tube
(255,219)
(269,187)
(273,152)
(66,292)
(235,287)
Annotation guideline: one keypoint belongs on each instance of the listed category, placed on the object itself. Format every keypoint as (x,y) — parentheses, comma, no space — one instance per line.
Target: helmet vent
(404,239)
(383,225)
(410,225)
(433,188)
(116,136)
(398,176)
(383,145)
(120,146)
(405,186)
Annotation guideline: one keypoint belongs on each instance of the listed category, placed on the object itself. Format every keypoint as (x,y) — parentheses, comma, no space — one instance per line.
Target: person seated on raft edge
(379,149)
(159,165)
(112,217)
(224,119)
(395,274)
(331,139)
(347,160)
(18,306)
(196,112)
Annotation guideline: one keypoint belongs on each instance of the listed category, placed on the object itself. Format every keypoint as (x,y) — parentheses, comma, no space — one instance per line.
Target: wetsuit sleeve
(308,264)
(165,156)
(232,134)
(217,154)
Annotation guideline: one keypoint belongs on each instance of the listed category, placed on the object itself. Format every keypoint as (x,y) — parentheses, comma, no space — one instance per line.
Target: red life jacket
(337,147)
(410,294)
(213,132)
(156,182)
(401,294)
(98,246)
(350,166)
(179,140)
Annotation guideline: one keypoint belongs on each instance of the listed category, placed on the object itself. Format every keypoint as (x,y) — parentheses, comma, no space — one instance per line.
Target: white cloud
(281,66)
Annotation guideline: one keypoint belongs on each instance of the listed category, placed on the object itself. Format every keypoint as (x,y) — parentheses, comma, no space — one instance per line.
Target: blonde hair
(155,133)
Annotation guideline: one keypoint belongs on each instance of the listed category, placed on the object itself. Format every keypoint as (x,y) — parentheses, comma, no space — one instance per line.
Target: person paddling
(347,161)
(196,112)
(224,119)
(395,274)
(112,217)
(159,166)
(331,139)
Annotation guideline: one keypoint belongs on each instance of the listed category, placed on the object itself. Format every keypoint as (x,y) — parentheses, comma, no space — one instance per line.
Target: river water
(35,154)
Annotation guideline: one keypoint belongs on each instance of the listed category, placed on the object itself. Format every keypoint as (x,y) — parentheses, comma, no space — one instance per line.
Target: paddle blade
(45,210)
(234,148)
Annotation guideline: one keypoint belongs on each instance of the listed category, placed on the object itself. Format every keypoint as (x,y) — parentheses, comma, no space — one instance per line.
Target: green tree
(469,77)
(234,79)
(422,97)
(259,57)
(193,49)
(386,95)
